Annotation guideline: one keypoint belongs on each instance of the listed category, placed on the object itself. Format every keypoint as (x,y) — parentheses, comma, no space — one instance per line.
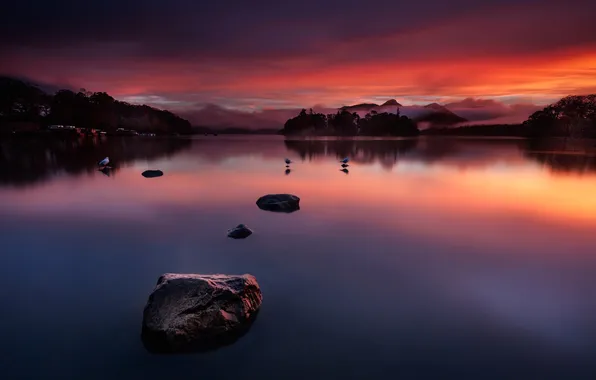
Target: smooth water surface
(430,259)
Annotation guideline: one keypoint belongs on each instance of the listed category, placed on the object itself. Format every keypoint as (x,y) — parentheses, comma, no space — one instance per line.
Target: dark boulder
(194,312)
(152,173)
(279,203)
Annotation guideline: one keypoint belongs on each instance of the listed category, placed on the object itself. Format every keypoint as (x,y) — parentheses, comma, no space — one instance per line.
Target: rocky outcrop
(194,312)
(152,173)
(279,203)
(239,232)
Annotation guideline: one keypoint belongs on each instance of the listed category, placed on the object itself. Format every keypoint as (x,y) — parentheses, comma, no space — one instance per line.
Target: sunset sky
(257,55)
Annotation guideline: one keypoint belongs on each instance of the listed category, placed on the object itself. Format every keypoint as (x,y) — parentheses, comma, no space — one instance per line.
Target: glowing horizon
(252,59)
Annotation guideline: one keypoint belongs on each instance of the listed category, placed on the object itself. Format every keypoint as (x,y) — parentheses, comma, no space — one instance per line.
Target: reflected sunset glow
(501,187)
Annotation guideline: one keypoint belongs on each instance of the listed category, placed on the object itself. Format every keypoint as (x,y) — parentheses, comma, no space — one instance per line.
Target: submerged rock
(279,203)
(239,232)
(152,173)
(194,312)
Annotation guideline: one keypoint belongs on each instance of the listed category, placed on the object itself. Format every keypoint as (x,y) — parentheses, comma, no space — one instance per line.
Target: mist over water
(432,258)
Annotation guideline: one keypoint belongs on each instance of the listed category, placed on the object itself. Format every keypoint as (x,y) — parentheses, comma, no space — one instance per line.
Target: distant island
(346,123)
(26,108)
(572,116)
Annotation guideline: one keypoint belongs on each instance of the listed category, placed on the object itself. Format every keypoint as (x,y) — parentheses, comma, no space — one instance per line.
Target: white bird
(104,162)
(345,160)
(288,161)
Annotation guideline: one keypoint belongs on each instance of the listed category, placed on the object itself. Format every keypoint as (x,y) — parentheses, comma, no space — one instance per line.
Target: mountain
(369,106)
(391,102)
(441,119)
(436,107)
(218,118)
(360,107)
(440,116)
(430,115)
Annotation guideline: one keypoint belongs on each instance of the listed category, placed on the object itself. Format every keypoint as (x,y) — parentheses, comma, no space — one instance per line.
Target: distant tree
(346,123)
(571,116)
(387,124)
(306,123)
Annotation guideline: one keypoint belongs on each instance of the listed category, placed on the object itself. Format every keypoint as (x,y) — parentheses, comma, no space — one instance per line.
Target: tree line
(345,123)
(572,116)
(25,104)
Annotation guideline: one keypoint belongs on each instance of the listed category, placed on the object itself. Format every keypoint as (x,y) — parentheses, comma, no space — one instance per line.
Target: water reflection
(106,171)
(558,155)
(25,161)
(28,161)
(387,152)
(563,155)
(433,258)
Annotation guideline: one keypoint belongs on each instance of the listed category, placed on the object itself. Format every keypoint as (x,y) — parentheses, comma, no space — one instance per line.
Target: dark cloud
(273,29)
(241,53)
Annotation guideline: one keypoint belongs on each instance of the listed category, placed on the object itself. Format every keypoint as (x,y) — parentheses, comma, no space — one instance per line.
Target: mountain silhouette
(391,102)
(360,107)
(440,115)
(433,114)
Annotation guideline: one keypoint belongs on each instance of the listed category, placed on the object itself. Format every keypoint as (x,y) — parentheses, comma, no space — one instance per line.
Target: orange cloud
(499,51)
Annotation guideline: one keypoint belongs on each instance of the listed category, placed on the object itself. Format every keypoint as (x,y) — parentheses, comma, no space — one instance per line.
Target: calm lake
(431,258)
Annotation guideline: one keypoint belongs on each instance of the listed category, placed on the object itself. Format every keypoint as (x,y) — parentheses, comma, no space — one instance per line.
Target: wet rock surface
(279,203)
(239,232)
(195,312)
(152,173)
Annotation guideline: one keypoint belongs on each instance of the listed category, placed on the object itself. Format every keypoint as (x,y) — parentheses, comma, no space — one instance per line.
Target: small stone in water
(239,232)
(152,173)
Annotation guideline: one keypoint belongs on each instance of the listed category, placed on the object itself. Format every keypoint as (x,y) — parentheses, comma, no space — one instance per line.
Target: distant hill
(391,102)
(369,106)
(572,116)
(434,114)
(440,116)
(25,106)
(362,106)
(235,131)
(436,107)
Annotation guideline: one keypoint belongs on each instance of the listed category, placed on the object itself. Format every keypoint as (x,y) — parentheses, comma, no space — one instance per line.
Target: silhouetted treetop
(346,123)
(573,116)
(22,102)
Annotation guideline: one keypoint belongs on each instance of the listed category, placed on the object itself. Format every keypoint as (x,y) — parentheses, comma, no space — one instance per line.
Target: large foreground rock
(193,312)
(279,202)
